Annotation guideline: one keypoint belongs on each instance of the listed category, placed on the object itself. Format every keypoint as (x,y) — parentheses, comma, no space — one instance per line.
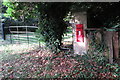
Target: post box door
(79,33)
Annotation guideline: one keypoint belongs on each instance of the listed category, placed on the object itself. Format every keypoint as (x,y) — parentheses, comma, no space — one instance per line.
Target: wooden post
(110,45)
(116,45)
(108,38)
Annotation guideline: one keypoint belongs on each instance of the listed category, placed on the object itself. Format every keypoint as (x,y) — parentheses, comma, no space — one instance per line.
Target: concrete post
(80,47)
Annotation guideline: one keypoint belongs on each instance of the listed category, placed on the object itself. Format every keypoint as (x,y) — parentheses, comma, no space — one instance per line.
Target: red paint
(79,33)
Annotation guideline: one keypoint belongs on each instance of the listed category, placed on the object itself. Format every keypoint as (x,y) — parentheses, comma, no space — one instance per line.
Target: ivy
(52,16)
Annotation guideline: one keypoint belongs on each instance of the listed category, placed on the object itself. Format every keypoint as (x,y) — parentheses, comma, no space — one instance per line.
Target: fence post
(116,45)
(18,35)
(108,37)
(27,35)
(110,45)
(3,31)
(10,35)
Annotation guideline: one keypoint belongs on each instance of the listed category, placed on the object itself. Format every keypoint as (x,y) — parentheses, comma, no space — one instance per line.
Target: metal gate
(22,34)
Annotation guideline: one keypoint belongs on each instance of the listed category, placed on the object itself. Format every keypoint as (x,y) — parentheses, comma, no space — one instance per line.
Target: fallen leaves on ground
(44,64)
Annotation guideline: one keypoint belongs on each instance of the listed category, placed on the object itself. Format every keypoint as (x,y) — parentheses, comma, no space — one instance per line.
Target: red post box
(79,33)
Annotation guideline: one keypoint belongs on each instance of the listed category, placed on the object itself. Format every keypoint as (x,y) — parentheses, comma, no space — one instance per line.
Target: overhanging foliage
(50,17)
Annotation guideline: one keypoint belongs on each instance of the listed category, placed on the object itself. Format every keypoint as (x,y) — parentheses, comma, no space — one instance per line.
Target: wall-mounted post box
(79,33)
(79,24)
